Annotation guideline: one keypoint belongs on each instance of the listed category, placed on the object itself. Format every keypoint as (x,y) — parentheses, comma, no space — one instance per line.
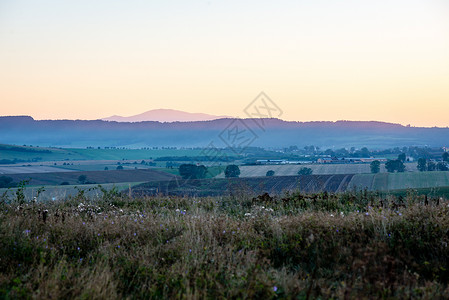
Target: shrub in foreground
(354,245)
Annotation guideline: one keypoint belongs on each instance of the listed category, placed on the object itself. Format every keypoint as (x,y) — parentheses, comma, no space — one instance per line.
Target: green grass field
(101,167)
(400,181)
(57,154)
(211,171)
(93,177)
(318,169)
(417,180)
(432,193)
(380,181)
(96,154)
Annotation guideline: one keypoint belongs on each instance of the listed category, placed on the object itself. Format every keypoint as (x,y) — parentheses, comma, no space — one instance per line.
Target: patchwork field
(416,180)
(385,182)
(250,186)
(318,169)
(29,169)
(162,180)
(59,154)
(97,177)
(78,165)
(399,181)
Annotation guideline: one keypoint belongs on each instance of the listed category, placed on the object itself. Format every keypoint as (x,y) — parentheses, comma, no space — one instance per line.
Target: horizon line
(227,118)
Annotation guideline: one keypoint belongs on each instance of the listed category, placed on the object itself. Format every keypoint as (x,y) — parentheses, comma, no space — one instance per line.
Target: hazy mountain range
(221,132)
(165,115)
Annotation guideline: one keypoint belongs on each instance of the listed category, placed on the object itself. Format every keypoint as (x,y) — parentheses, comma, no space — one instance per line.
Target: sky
(317,60)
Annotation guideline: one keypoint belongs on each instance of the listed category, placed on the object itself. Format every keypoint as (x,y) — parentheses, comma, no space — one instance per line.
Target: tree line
(424,164)
(192,171)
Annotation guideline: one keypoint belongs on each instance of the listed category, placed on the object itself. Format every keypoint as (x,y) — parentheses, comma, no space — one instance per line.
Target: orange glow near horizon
(318,61)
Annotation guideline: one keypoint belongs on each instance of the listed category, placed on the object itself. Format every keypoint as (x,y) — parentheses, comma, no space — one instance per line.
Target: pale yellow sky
(318,60)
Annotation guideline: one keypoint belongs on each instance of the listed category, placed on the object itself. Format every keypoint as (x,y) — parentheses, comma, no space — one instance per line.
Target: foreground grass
(350,245)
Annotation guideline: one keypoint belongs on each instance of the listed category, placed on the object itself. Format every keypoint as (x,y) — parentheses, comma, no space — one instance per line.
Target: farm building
(366,160)
(327,160)
(271,161)
(335,160)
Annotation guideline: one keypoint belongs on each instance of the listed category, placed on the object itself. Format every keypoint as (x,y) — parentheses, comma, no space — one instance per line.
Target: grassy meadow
(60,154)
(318,169)
(350,245)
(400,181)
(58,192)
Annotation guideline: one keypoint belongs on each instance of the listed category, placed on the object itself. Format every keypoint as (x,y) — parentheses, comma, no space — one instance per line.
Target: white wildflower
(311,238)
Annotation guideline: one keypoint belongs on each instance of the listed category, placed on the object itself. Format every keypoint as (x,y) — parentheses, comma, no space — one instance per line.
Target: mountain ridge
(351,122)
(164,115)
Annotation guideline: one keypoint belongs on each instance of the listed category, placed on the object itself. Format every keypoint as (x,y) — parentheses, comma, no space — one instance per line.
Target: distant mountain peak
(165,115)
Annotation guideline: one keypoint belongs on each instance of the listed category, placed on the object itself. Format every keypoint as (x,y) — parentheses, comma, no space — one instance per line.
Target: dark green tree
(431,166)
(341,152)
(402,157)
(191,171)
(200,172)
(442,166)
(305,171)
(446,156)
(270,173)
(364,152)
(400,167)
(375,166)
(187,171)
(395,165)
(119,168)
(422,165)
(390,165)
(310,149)
(6,182)
(329,152)
(232,171)
(82,179)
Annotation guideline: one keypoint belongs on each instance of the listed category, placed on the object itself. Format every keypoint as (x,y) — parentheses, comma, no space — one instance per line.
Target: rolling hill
(257,132)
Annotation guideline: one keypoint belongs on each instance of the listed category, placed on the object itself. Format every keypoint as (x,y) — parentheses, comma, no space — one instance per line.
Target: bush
(442,166)
(82,179)
(270,173)
(7,162)
(305,171)
(6,182)
(319,246)
(395,165)
(422,165)
(446,156)
(375,167)
(191,171)
(431,166)
(232,171)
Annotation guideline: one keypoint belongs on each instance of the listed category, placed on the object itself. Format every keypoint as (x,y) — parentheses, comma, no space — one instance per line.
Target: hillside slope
(255,132)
